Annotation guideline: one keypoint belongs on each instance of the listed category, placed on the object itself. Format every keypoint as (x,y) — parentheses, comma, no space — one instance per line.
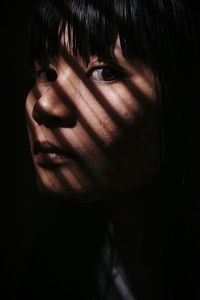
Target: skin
(109,121)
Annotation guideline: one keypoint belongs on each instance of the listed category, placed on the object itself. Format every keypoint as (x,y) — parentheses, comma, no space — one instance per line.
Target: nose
(54,109)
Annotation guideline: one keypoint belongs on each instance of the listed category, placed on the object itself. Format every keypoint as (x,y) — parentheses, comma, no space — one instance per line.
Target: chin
(64,191)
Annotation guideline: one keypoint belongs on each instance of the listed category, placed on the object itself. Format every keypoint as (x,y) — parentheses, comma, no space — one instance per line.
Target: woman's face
(93,128)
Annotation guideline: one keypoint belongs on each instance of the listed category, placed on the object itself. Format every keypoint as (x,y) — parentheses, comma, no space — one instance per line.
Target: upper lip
(48,147)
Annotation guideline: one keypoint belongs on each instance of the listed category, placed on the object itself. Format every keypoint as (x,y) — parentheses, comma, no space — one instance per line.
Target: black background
(16,213)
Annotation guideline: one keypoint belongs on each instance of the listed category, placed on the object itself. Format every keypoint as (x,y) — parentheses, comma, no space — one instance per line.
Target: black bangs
(44,33)
(92,28)
(84,26)
(147,29)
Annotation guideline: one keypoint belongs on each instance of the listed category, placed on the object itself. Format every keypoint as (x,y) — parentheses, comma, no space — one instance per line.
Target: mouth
(49,155)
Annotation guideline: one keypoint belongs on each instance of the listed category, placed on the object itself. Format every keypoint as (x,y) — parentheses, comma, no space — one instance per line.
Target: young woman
(109,124)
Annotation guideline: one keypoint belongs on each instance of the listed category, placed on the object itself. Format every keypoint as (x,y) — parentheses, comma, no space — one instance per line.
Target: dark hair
(164,34)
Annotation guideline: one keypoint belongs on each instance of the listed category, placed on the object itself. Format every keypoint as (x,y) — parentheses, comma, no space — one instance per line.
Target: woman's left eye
(104,74)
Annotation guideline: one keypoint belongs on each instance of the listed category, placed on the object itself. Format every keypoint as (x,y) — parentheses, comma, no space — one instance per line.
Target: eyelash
(116,73)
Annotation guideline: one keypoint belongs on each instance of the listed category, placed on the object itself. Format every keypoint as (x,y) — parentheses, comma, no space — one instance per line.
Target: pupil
(108,74)
(51,75)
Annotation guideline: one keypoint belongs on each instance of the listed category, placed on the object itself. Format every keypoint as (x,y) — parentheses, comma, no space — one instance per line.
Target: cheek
(127,104)
(135,151)
(123,105)
(32,127)
(109,113)
(140,151)
(29,104)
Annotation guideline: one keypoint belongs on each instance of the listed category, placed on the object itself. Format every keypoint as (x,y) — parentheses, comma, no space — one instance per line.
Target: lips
(47,154)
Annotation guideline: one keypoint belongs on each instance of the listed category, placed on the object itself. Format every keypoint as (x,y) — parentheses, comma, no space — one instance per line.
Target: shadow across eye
(46,75)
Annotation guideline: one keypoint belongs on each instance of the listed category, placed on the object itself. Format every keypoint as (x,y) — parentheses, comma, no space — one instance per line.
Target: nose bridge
(55,106)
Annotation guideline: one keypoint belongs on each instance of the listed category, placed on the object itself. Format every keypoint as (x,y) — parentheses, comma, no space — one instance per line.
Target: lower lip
(50,159)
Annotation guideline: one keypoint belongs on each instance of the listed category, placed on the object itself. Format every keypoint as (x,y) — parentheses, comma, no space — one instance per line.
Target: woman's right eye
(46,75)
